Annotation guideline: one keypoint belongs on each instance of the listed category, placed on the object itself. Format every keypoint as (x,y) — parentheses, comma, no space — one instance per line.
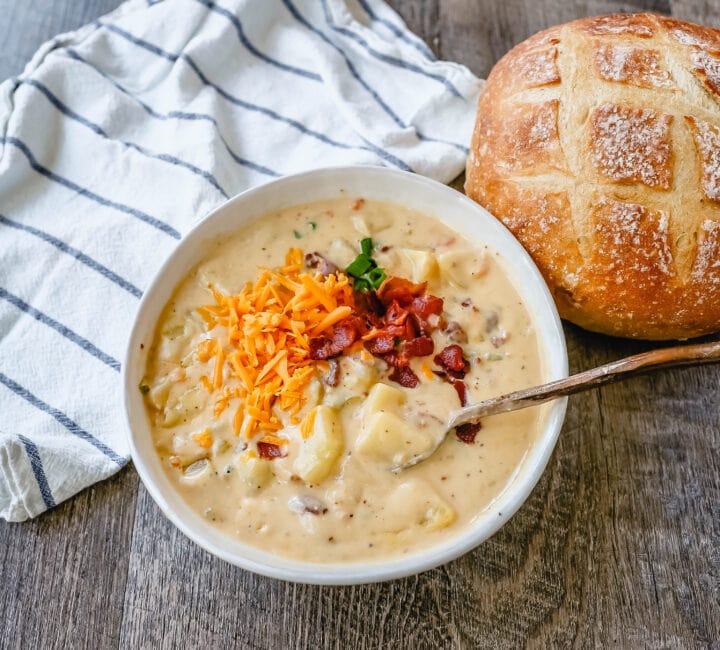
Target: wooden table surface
(618,545)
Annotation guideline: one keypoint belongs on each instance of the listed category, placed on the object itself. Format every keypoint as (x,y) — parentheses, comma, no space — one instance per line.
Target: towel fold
(119,136)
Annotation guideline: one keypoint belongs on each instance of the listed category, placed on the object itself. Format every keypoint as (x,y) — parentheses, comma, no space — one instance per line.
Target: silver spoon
(684,355)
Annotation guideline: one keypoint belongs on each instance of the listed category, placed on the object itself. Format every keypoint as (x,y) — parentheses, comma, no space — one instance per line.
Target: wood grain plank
(63,574)
(477,34)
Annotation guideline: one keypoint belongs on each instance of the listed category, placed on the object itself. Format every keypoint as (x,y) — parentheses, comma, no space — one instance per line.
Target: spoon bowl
(683,355)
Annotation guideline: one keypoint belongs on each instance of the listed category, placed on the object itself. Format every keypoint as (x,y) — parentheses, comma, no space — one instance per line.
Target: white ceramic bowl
(450,207)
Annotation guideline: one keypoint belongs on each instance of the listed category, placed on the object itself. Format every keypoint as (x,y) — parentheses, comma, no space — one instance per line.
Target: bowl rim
(514,493)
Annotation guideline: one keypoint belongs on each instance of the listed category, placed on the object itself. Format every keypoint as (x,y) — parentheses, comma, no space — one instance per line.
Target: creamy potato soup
(318,350)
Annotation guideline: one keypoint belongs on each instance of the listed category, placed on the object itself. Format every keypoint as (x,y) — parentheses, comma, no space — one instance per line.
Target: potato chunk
(438,514)
(356,376)
(321,450)
(189,405)
(256,472)
(159,393)
(341,252)
(424,265)
(461,267)
(415,503)
(383,397)
(388,439)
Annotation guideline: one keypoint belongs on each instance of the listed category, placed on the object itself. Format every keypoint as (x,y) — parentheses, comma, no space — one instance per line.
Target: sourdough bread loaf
(597,143)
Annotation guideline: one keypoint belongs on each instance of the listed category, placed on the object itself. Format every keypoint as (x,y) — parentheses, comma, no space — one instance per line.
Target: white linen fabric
(118,137)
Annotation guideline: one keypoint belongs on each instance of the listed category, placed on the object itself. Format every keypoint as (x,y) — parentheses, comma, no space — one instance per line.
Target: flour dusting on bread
(614,121)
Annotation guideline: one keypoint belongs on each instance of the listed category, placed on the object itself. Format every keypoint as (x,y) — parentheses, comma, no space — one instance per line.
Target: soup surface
(283,400)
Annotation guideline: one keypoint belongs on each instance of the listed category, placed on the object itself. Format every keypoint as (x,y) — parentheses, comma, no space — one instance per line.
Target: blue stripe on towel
(394,116)
(301,72)
(138,41)
(150,47)
(294,123)
(38,470)
(63,419)
(80,341)
(353,71)
(74,252)
(68,112)
(101,200)
(385,58)
(177,115)
(397,31)
(264,110)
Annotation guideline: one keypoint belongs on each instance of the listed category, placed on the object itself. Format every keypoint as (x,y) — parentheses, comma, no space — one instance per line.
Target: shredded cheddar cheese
(306,426)
(264,347)
(203,439)
(427,371)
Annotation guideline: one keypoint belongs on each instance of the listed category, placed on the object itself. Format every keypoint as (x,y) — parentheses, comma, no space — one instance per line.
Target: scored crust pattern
(598,144)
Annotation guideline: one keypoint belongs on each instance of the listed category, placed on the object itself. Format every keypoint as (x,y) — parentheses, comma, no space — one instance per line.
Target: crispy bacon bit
(401,290)
(451,358)
(317,262)
(426,306)
(370,308)
(467,432)
(396,360)
(382,344)
(418,347)
(269,451)
(357,204)
(342,336)
(455,333)
(457,383)
(460,389)
(395,314)
(401,317)
(425,311)
(405,377)
(332,376)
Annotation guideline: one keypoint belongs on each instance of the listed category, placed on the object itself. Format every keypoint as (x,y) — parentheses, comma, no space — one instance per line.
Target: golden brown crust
(630,65)
(597,143)
(631,144)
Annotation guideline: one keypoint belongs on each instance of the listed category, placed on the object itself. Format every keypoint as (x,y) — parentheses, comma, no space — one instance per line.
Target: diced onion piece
(306,504)
(196,470)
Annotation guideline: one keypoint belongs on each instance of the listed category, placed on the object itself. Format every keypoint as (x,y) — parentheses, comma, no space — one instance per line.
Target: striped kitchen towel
(118,137)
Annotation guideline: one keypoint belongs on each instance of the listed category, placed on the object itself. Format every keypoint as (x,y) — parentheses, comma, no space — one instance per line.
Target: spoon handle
(684,355)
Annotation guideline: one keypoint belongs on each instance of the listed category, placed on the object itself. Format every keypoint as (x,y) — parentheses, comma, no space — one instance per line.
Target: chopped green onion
(297,234)
(313,225)
(360,265)
(376,277)
(365,272)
